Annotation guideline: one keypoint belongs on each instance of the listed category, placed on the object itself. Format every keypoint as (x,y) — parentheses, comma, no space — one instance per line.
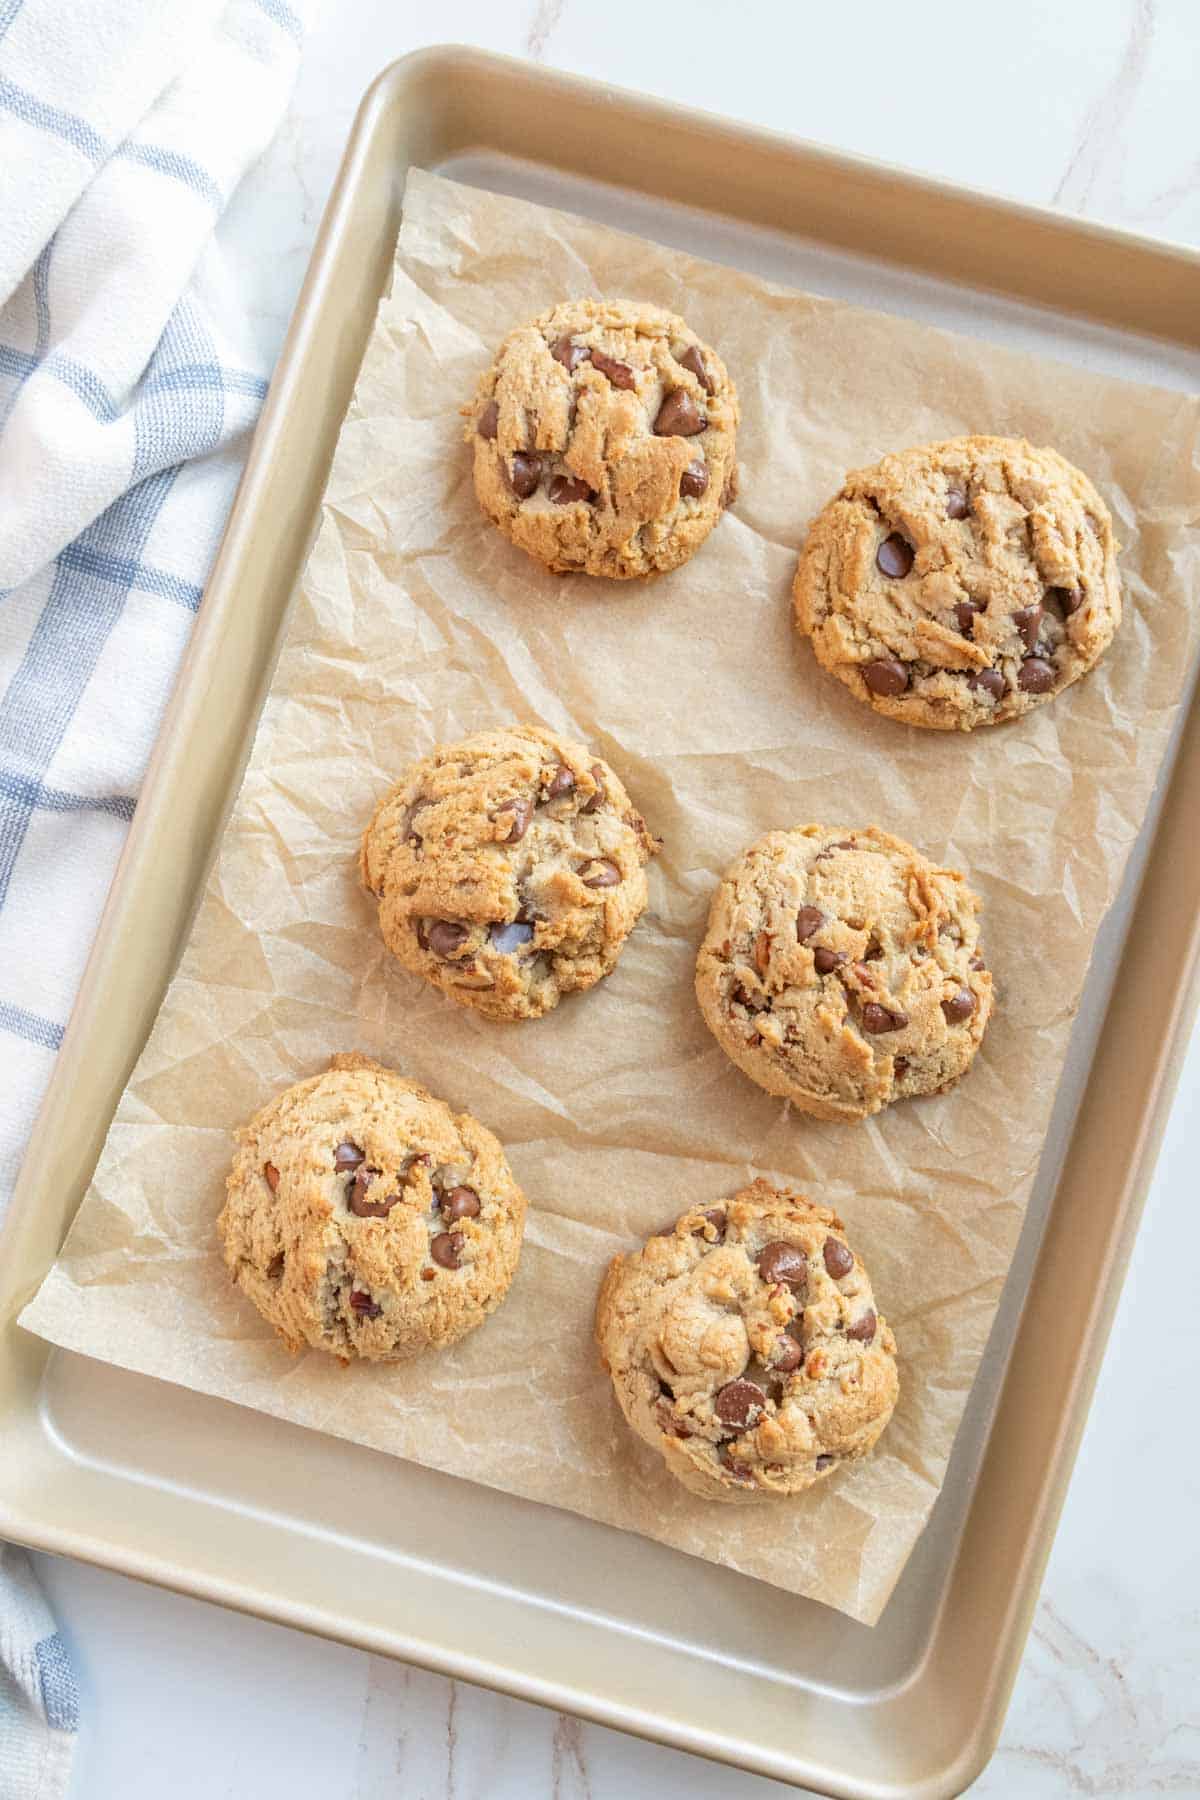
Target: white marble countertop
(1091,105)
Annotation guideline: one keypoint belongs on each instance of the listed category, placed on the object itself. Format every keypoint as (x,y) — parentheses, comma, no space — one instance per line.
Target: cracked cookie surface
(842,970)
(509,869)
(605,438)
(363,1217)
(744,1345)
(961,584)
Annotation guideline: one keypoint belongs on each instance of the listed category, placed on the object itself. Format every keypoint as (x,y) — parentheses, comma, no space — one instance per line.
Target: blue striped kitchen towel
(126,397)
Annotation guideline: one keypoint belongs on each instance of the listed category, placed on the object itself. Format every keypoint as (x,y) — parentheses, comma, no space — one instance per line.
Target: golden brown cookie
(509,869)
(962,583)
(744,1346)
(605,438)
(842,970)
(365,1218)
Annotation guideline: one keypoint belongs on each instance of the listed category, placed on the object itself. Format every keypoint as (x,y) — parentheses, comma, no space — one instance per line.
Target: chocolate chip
(1028,622)
(524,473)
(886,677)
(825,1462)
(863,1330)
(460,1203)
(694,363)
(965,613)
(839,1258)
(444,937)
(522,812)
(508,938)
(878,1019)
(894,557)
(275,1266)
(619,373)
(959,1006)
(561,782)
(1036,676)
(603,873)
(347,1156)
(826,961)
(788,1355)
(716,1218)
(570,355)
(364,1306)
(357,1201)
(445,1248)
(679,416)
(753,1003)
(564,491)
(489,420)
(988,681)
(957,504)
(1068,600)
(977,962)
(668,1424)
(778,1261)
(739,1470)
(272,1175)
(694,480)
(738,1403)
(601,793)
(808,920)
(900,1067)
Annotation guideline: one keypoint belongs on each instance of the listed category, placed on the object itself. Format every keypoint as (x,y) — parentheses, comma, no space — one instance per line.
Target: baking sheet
(417,623)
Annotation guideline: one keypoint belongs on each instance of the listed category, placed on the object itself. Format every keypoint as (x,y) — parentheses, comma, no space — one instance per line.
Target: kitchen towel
(128,385)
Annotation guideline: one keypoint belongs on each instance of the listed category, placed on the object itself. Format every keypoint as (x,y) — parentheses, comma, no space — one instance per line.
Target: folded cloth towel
(126,397)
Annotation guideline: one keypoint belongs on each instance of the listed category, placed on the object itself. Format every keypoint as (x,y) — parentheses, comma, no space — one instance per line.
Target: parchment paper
(418,623)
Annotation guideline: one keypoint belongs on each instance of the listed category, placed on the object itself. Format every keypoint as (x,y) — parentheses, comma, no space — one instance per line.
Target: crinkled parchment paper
(418,623)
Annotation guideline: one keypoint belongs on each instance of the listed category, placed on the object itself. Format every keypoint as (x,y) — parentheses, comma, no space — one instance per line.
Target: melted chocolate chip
(275,1266)
(957,504)
(524,473)
(489,420)
(357,1201)
(739,1403)
(694,480)
(603,873)
(987,681)
(601,793)
(460,1203)
(445,1248)
(1028,622)
(886,677)
(808,920)
(839,1258)
(863,1330)
(444,937)
(826,961)
(619,373)
(679,416)
(565,491)
(1036,676)
(272,1176)
(877,1019)
(894,557)
(779,1261)
(506,939)
(347,1156)
(959,1006)
(693,362)
(977,962)
(716,1218)
(753,1003)
(1065,600)
(823,1463)
(364,1306)
(569,355)
(900,1067)
(787,1355)
(964,614)
(668,1424)
(561,782)
(522,812)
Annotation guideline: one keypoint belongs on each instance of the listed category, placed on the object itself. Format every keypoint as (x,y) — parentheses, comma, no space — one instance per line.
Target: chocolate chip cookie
(744,1346)
(509,869)
(842,970)
(961,584)
(605,435)
(365,1218)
